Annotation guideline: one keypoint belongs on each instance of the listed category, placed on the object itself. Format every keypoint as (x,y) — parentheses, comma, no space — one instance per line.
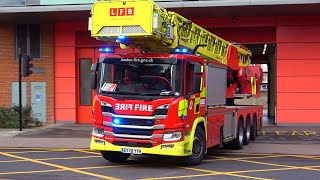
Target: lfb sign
(122,11)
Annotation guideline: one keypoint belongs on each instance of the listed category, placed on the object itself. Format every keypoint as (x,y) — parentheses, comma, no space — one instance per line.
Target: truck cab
(147,104)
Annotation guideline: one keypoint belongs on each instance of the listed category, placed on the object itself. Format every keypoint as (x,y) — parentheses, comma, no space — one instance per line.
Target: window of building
(28,39)
(265,78)
(85,86)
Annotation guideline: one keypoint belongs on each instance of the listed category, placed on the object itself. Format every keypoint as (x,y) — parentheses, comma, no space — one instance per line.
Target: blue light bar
(105,50)
(181,50)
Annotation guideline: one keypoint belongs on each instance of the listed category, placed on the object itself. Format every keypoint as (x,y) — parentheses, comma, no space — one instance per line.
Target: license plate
(131,151)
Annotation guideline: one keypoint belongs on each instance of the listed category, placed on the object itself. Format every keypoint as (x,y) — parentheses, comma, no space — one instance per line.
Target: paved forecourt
(39,163)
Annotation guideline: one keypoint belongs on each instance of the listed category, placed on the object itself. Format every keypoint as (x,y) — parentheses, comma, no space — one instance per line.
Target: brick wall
(9,66)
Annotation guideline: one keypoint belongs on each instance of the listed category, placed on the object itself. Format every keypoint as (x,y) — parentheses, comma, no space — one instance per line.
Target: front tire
(198,148)
(115,156)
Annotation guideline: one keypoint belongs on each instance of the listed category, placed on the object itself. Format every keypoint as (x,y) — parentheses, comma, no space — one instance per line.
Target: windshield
(153,79)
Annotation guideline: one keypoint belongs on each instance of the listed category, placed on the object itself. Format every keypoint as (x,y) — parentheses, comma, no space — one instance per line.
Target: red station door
(85,57)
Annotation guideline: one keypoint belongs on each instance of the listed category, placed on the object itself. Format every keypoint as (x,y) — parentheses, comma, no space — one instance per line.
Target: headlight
(172,136)
(162,109)
(105,104)
(164,106)
(99,132)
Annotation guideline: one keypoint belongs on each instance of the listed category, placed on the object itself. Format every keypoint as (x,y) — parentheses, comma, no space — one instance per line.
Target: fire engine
(174,94)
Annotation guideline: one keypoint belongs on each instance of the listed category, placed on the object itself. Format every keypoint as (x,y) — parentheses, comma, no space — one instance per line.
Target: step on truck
(174,94)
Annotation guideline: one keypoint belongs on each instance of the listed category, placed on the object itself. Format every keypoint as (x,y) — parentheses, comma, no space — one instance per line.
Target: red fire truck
(173,97)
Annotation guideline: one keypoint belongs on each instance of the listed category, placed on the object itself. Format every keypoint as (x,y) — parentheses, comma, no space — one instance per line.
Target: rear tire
(254,128)
(115,156)
(247,132)
(198,148)
(238,142)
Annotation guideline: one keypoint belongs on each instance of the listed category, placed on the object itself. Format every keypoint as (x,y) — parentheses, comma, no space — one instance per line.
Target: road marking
(10,161)
(246,154)
(24,152)
(280,133)
(99,167)
(85,151)
(310,133)
(306,157)
(49,159)
(59,170)
(262,170)
(266,170)
(58,166)
(224,173)
(296,133)
(214,158)
(271,164)
(177,177)
(68,158)
(31,172)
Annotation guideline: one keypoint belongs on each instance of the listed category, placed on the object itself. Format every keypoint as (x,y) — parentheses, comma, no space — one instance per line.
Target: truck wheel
(238,142)
(115,156)
(247,132)
(198,148)
(254,128)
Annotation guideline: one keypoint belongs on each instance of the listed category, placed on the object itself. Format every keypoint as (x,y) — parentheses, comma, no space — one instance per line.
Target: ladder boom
(145,25)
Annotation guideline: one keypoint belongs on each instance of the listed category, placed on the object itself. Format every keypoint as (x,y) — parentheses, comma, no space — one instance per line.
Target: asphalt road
(85,164)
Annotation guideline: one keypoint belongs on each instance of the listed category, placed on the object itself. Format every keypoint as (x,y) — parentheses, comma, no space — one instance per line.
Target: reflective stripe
(134,117)
(133,136)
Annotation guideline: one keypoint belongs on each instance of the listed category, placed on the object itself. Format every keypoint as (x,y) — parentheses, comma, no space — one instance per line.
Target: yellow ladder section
(145,25)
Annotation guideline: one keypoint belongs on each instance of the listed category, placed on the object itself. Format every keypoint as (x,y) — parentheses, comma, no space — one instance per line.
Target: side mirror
(93,78)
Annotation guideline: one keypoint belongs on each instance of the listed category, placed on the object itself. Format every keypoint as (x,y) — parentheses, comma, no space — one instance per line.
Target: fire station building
(283,34)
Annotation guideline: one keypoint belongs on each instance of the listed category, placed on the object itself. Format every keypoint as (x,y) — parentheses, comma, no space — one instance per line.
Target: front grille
(137,122)
(132,144)
(142,132)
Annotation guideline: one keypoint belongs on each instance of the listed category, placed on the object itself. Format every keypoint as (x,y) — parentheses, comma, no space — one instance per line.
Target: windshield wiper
(166,93)
(121,92)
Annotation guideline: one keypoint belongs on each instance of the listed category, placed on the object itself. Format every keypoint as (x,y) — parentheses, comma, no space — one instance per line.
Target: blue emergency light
(116,121)
(121,37)
(105,50)
(181,50)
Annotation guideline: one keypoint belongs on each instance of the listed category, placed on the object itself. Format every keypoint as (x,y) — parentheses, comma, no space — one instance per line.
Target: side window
(28,39)
(189,78)
(85,89)
(179,77)
(193,78)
